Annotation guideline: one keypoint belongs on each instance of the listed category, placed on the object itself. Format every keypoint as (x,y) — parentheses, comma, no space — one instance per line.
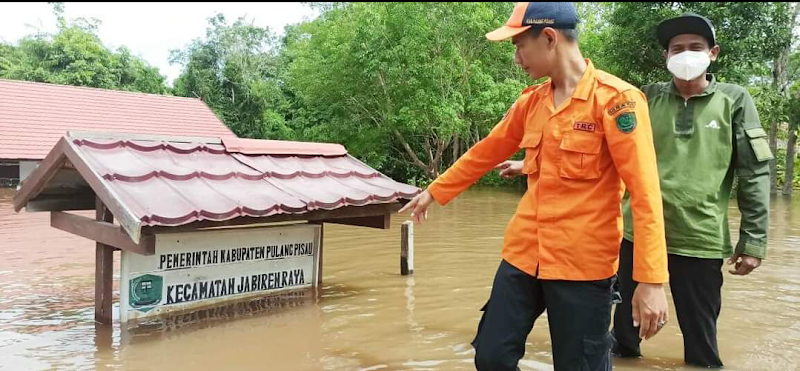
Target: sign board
(202,268)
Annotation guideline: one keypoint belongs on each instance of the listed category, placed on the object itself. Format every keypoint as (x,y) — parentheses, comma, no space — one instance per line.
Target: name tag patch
(584,126)
(622,106)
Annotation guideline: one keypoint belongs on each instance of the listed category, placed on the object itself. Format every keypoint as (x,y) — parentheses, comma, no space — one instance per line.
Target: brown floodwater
(367,316)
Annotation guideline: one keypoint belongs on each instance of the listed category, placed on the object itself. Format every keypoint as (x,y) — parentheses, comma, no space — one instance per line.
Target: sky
(149,30)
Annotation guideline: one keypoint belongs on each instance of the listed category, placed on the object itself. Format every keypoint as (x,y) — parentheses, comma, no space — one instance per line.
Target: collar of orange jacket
(584,87)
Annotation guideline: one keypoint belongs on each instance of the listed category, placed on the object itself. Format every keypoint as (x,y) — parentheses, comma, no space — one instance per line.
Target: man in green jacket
(706,134)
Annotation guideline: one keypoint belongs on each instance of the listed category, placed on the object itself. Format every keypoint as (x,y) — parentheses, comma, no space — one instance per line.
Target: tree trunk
(790,157)
(773,164)
(779,83)
(456,149)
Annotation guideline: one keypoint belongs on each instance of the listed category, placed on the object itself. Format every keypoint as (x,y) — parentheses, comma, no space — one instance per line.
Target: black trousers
(696,291)
(579,314)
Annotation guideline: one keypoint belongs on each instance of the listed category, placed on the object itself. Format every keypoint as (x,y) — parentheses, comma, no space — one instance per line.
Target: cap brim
(506,32)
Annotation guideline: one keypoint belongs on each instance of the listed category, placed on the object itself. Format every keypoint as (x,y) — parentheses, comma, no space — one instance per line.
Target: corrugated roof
(280,147)
(172,183)
(34,116)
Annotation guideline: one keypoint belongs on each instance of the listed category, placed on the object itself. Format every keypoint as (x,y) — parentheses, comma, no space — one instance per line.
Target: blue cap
(536,15)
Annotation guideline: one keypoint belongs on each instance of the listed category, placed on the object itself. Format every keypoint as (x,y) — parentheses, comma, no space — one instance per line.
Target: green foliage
(409,87)
(234,70)
(398,82)
(749,34)
(780,158)
(76,56)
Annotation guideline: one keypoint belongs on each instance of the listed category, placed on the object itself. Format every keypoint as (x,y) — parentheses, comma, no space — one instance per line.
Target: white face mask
(688,65)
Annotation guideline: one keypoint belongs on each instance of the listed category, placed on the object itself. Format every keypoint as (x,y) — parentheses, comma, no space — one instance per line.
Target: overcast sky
(149,30)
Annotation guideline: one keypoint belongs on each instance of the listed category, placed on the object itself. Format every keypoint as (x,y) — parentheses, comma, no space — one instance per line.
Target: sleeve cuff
(652,277)
(756,249)
(438,195)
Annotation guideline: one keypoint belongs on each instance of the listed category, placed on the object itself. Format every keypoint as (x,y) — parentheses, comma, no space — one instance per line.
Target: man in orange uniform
(584,132)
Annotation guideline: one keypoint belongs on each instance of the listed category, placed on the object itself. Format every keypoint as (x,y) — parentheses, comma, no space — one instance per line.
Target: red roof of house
(176,182)
(34,116)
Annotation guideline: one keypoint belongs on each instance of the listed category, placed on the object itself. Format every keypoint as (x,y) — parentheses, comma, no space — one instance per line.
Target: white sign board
(197,269)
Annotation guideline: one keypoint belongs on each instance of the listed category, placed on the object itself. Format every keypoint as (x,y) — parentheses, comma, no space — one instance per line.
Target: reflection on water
(368,317)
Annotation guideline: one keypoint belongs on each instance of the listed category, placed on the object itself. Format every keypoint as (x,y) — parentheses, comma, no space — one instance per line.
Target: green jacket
(701,144)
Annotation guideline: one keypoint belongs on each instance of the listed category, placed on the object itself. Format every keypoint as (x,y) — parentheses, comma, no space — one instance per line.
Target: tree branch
(409,151)
(415,160)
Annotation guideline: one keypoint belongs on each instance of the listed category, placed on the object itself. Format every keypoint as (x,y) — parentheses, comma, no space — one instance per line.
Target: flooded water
(368,317)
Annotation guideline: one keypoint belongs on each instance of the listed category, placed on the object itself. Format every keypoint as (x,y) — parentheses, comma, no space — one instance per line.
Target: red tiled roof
(34,116)
(171,183)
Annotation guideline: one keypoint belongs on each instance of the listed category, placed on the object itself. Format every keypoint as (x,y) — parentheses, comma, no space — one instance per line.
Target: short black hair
(571,34)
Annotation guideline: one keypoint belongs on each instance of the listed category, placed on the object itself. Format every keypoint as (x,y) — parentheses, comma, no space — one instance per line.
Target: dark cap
(688,23)
(536,15)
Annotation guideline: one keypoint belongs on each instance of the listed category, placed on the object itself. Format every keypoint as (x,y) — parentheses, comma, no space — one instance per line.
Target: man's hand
(419,206)
(649,306)
(509,169)
(744,264)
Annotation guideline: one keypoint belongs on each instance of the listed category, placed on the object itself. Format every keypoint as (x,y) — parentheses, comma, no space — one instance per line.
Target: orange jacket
(568,225)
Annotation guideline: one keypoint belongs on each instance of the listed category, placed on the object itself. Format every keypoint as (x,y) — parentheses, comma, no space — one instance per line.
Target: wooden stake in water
(104,270)
(407,248)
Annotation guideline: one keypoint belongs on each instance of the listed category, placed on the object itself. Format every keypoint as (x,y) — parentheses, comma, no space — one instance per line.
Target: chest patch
(584,126)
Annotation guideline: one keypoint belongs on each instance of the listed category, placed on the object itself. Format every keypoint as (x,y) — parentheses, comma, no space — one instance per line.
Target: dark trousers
(579,314)
(696,291)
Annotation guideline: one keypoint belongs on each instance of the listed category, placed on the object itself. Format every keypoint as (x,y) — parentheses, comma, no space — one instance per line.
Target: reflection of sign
(145,291)
(239,308)
(200,268)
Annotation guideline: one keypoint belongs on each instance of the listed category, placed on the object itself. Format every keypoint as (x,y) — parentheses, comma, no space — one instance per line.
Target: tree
(406,81)
(234,70)
(786,71)
(748,33)
(794,123)
(594,29)
(76,56)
